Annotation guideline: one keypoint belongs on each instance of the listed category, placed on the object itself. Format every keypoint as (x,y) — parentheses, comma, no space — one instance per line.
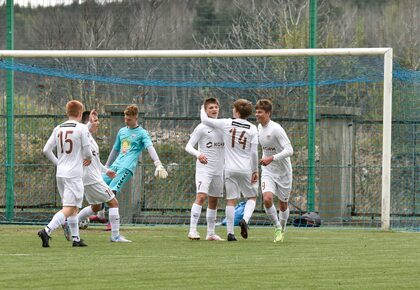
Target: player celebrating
(276,175)
(208,174)
(241,162)
(96,190)
(71,139)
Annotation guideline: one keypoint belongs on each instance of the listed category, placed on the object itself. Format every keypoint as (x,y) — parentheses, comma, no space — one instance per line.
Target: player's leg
(283,214)
(268,187)
(283,193)
(215,192)
(249,191)
(232,195)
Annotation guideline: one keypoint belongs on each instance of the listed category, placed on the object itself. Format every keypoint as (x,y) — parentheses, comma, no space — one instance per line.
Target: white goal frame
(387,84)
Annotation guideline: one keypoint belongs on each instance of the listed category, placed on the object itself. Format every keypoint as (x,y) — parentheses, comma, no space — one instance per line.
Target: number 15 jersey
(69,138)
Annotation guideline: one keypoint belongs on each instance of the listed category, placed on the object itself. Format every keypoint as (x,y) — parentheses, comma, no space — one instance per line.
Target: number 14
(241,140)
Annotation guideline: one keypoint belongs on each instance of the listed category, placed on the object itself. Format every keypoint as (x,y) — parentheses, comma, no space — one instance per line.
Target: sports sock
(58,219)
(272,213)
(114,219)
(230,217)
(101,213)
(195,216)
(211,220)
(85,213)
(249,209)
(283,216)
(73,222)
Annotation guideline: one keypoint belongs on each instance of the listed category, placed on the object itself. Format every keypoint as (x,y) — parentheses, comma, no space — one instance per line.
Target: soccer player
(71,139)
(96,190)
(129,143)
(241,162)
(208,174)
(276,173)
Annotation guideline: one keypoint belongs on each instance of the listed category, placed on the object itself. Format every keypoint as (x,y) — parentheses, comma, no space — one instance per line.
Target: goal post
(245,53)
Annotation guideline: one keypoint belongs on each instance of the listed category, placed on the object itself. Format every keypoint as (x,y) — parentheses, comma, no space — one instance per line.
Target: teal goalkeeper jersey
(130,143)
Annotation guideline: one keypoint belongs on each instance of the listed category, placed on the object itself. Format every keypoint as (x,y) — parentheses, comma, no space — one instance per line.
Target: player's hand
(86,162)
(111,174)
(160,171)
(254,178)
(266,160)
(202,158)
(93,116)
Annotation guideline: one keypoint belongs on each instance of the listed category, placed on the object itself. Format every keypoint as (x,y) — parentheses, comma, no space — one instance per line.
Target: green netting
(170,92)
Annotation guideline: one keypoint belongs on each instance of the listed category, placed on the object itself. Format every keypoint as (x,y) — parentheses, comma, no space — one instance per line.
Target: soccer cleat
(80,243)
(119,239)
(95,218)
(278,235)
(107,227)
(44,237)
(194,235)
(244,229)
(231,238)
(66,229)
(213,237)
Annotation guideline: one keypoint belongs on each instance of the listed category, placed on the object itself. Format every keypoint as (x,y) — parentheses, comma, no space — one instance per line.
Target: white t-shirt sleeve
(49,147)
(194,138)
(214,123)
(285,144)
(85,136)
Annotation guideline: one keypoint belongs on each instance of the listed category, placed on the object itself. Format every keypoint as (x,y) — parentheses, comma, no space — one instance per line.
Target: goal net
(337,116)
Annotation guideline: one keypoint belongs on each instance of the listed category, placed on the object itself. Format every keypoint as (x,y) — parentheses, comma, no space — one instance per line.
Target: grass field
(163,258)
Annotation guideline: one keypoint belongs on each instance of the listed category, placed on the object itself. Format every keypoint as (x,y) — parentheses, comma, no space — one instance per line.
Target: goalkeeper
(129,143)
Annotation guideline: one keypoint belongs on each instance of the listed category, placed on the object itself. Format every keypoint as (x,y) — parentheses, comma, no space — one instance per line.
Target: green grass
(163,258)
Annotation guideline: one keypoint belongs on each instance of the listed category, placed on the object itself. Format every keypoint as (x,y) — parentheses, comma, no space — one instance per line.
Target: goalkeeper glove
(160,170)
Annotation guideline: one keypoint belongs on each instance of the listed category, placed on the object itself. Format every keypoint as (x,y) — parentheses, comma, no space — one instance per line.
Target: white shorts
(240,182)
(98,193)
(209,184)
(70,190)
(280,189)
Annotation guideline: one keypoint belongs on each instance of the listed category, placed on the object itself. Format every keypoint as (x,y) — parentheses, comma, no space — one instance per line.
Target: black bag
(309,219)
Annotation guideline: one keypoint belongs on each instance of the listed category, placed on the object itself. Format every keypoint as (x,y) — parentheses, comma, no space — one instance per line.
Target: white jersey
(240,138)
(69,138)
(210,143)
(93,173)
(273,140)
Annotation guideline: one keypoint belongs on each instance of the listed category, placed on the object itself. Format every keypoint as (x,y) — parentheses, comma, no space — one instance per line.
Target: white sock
(211,220)
(58,219)
(195,216)
(272,213)
(283,216)
(85,213)
(114,219)
(249,209)
(101,213)
(230,217)
(73,222)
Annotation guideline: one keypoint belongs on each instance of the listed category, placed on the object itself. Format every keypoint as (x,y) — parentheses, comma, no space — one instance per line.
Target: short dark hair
(211,101)
(85,117)
(243,107)
(264,104)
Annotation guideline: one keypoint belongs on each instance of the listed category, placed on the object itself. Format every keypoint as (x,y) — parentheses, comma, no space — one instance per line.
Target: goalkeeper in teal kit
(129,143)
(123,158)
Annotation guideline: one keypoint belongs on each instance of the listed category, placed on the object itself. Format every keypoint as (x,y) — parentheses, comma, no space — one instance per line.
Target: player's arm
(215,123)
(107,171)
(194,138)
(86,150)
(114,151)
(49,147)
(254,162)
(285,143)
(160,171)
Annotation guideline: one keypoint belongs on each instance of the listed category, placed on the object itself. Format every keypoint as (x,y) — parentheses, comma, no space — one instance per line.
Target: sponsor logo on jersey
(209,131)
(219,144)
(268,136)
(209,145)
(237,124)
(68,125)
(269,148)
